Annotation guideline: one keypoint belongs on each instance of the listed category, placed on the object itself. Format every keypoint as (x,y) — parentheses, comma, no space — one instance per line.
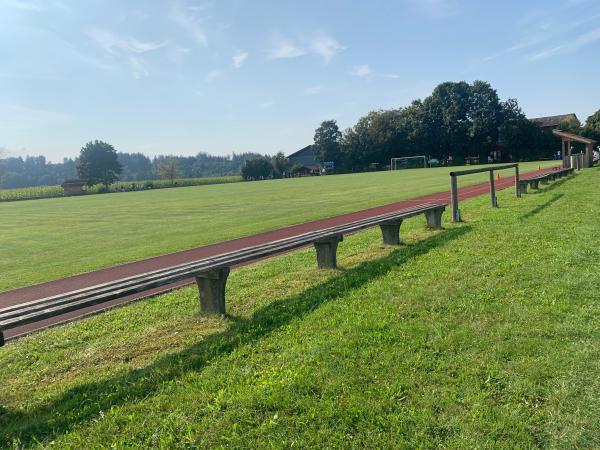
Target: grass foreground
(483,335)
(42,240)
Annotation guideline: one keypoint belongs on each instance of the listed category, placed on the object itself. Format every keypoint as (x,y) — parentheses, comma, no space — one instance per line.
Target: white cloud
(189,19)
(539,27)
(326,47)
(213,75)
(313,90)
(125,48)
(282,48)
(362,70)
(239,58)
(525,43)
(546,53)
(321,45)
(114,44)
(365,71)
(567,47)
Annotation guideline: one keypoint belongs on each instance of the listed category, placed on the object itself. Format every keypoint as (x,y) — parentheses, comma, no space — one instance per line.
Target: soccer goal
(408,162)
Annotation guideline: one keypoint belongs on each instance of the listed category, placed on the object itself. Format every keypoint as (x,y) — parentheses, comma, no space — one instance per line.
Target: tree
(280,165)
(377,137)
(592,127)
(570,125)
(327,142)
(485,116)
(257,169)
(447,122)
(98,163)
(521,137)
(168,169)
(136,166)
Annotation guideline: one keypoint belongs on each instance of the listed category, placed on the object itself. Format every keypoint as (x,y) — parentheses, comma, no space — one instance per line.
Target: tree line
(458,120)
(16,172)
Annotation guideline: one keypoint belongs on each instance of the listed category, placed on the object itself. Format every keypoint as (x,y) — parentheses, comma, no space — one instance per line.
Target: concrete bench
(534,182)
(211,273)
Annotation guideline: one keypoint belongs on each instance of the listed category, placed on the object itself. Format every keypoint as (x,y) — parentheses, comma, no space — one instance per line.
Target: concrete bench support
(434,218)
(211,286)
(391,232)
(523,187)
(327,251)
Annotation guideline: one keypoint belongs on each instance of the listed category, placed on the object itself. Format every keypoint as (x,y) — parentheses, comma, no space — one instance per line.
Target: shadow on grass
(85,402)
(541,207)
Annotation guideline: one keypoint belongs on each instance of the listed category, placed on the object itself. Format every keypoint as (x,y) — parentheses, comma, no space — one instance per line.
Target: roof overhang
(573,137)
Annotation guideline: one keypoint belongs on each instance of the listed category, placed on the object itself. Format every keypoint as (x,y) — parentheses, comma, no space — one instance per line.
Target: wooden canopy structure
(567,139)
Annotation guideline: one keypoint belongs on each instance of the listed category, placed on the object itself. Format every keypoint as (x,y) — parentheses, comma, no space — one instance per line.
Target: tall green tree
(446,116)
(98,163)
(592,126)
(280,165)
(523,138)
(377,137)
(327,142)
(257,169)
(485,117)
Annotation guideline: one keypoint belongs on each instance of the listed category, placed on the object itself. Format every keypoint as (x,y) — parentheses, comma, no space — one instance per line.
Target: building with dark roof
(305,158)
(553,122)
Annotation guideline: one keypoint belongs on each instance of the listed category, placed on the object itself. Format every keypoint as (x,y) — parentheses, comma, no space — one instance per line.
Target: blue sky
(183,76)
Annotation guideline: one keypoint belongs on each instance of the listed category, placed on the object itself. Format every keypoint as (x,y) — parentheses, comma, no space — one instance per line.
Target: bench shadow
(541,207)
(84,403)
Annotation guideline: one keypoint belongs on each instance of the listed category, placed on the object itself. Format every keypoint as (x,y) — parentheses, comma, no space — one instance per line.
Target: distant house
(552,122)
(305,158)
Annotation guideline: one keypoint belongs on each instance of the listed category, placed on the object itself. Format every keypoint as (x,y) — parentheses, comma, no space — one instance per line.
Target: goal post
(408,162)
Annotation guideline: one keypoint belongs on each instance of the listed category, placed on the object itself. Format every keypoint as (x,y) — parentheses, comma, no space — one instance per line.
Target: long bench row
(534,182)
(211,273)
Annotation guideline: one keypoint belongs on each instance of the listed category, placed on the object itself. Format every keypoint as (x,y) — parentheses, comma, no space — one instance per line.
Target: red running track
(81,281)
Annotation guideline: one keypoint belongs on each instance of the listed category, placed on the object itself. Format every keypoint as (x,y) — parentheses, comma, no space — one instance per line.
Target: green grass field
(41,240)
(483,335)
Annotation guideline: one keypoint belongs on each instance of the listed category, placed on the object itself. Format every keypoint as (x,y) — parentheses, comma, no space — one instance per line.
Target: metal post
(517,189)
(454,198)
(493,190)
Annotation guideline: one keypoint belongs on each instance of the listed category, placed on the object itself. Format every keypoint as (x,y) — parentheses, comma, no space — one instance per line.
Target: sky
(184,76)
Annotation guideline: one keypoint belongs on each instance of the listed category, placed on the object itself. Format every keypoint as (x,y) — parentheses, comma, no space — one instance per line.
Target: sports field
(481,335)
(41,240)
